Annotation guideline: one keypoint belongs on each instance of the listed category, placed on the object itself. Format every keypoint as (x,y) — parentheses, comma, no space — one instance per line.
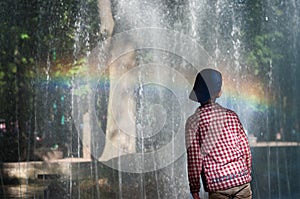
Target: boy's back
(217,146)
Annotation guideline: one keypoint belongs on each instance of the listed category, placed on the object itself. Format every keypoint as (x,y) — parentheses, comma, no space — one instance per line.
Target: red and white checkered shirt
(217,149)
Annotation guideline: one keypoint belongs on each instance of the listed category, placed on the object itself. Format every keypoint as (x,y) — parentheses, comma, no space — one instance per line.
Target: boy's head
(207,86)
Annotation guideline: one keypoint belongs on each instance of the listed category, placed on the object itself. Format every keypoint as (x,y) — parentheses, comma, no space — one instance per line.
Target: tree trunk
(120,129)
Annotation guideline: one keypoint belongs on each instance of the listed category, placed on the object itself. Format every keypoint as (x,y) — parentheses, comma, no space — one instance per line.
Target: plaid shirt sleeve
(194,156)
(245,147)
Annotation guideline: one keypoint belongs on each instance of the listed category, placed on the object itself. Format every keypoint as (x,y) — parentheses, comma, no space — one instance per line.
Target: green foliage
(12,68)
(2,81)
(263,36)
(1,75)
(24,36)
(262,54)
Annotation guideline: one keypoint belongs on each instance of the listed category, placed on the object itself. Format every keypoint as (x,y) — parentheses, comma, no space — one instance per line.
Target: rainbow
(248,91)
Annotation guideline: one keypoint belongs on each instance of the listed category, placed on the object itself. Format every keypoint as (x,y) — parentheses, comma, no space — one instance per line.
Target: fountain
(109,117)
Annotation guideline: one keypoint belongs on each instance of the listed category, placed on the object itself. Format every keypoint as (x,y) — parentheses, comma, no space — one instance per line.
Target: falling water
(125,101)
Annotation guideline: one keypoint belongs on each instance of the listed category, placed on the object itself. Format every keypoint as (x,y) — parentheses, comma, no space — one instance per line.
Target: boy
(217,146)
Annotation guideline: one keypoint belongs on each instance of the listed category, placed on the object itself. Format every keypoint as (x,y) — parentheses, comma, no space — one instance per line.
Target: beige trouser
(238,192)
